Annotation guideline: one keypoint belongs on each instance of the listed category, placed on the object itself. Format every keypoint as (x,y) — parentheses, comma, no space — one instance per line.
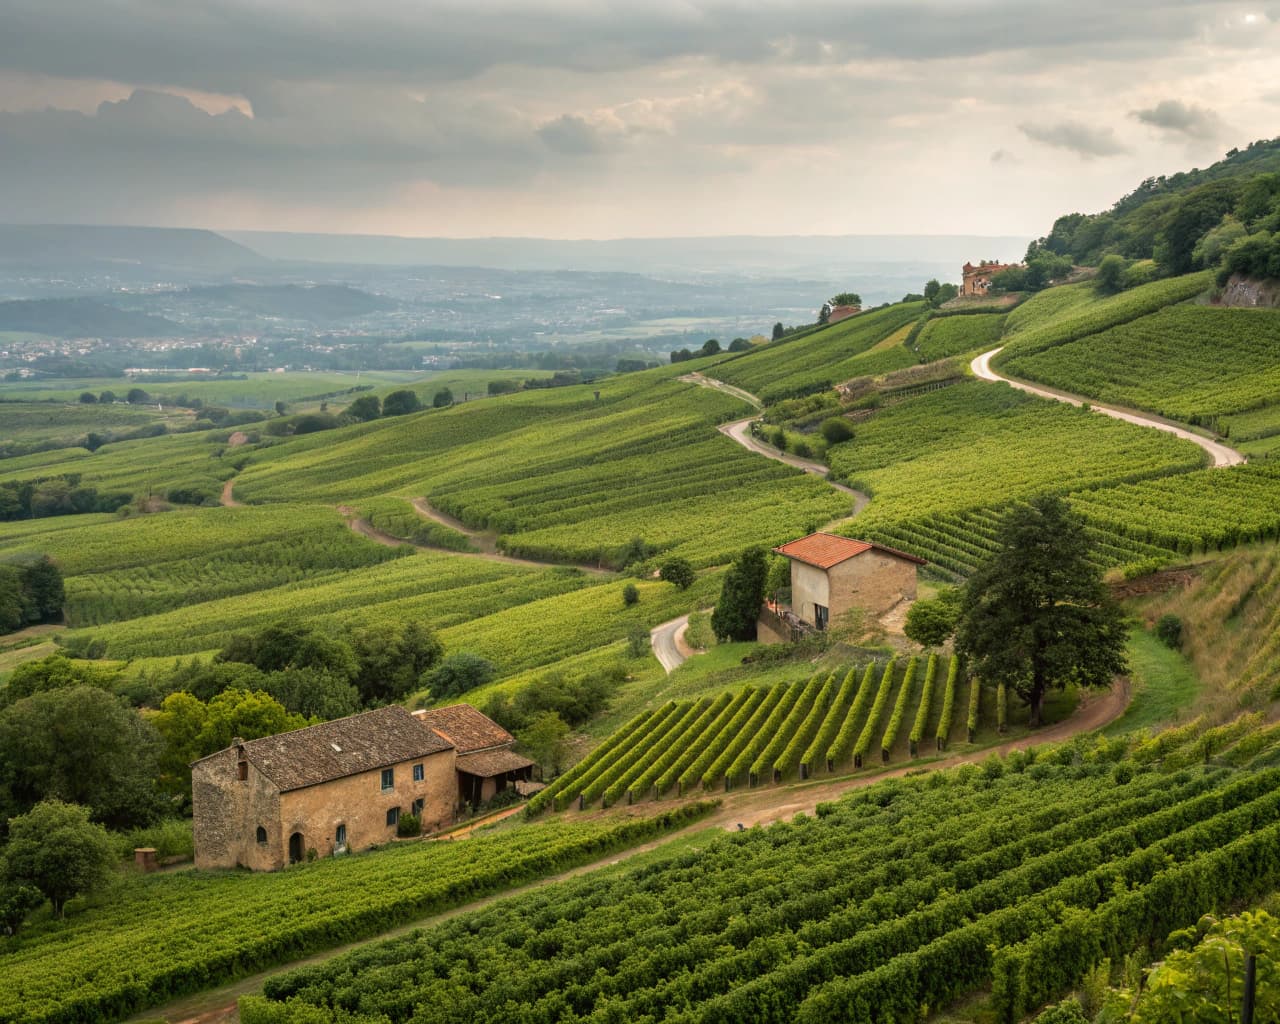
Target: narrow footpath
(1218,452)
(367,530)
(227,499)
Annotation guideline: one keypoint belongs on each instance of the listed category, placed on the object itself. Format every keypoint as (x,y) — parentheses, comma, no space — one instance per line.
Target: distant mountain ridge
(63,246)
(821,256)
(82,318)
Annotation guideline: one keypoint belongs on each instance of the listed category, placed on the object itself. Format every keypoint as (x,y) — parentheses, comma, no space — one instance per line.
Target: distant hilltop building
(977,280)
(839,313)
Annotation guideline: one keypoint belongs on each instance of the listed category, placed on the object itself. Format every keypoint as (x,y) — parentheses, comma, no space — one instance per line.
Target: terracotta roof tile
(488,763)
(345,746)
(465,727)
(827,549)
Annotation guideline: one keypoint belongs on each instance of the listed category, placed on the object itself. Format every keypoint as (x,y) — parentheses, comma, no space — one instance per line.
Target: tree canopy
(1037,615)
(741,595)
(56,849)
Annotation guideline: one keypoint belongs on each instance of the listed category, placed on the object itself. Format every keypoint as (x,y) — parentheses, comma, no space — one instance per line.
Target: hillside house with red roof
(831,575)
(976,280)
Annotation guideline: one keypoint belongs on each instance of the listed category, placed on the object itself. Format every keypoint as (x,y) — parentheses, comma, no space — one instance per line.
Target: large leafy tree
(1037,615)
(56,849)
(741,595)
(83,745)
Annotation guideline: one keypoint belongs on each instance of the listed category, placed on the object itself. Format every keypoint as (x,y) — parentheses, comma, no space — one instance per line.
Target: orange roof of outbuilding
(827,549)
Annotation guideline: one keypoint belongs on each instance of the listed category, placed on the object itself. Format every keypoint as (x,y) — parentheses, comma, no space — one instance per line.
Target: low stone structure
(831,575)
(326,789)
(977,279)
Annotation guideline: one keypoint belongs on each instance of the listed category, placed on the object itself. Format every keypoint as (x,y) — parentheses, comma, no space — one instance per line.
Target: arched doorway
(295,848)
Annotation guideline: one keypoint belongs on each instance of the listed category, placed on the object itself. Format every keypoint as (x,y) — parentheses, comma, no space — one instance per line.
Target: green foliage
(630,595)
(1037,616)
(83,745)
(945,336)
(1169,630)
(1158,362)
(543,739)
(197,929)
(408,826)
(400,403)
(459,673)
(1066,1012)
(930,622)
(836,430)
(979,444)
(818,360)
(442,399)
(741,596)
(364,408)
(56,849)
(1110,277)
(679,572)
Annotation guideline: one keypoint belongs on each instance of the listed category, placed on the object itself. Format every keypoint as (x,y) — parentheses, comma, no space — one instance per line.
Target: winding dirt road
(370,532)
(1219,453)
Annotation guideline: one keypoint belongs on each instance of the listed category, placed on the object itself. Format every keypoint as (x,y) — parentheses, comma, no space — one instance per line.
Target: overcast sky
(604,118)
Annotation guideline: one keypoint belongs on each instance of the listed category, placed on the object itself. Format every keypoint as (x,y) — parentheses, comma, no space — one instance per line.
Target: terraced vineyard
(1140,525)
(1018,876)
(1198,364)
(945,336)
(825,357)
(1069,314)
(564,477)
(756,736)
(976,444)
(189,930)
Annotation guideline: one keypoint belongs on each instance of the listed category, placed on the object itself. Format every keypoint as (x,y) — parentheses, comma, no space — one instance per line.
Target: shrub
(630,595)
(837,430)
(459,673)
(409,825)
(638,641)
(1169,630)
(679,572)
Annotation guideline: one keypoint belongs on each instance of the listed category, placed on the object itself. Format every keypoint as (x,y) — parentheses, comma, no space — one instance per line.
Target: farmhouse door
(295,848)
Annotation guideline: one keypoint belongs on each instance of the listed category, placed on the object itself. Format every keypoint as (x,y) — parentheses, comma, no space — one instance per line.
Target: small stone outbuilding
(486,764)
(830,575)
(328,788)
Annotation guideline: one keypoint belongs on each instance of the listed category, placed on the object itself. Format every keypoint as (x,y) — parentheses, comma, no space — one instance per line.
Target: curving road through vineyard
(1219,453)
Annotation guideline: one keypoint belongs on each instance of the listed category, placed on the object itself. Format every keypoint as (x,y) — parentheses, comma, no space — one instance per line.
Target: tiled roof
(827,549)
(465,727)
(488,763)
(345,746)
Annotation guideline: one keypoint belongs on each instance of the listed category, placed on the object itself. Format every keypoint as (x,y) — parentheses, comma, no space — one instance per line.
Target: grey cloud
(1082,139)
(572,136)
(155,147)
(1003,156)
(1183,119)
(232,45)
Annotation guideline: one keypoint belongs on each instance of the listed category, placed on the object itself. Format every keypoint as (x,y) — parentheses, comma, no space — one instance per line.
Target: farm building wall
(874,581)
(227,812)
(360,803)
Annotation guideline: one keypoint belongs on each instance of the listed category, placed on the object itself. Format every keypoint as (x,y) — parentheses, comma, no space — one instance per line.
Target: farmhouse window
(419,773)
(821,614)
(393,816)
(416,810)
(262,836)
(388,779)
(242,770)
(341,838)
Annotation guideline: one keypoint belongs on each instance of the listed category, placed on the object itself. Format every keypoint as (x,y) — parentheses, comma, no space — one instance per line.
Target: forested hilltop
(535,551)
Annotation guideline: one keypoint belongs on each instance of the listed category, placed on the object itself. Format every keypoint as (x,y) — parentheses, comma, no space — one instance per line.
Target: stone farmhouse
(839,313)
(977,280)
(831,575)
(335,787)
